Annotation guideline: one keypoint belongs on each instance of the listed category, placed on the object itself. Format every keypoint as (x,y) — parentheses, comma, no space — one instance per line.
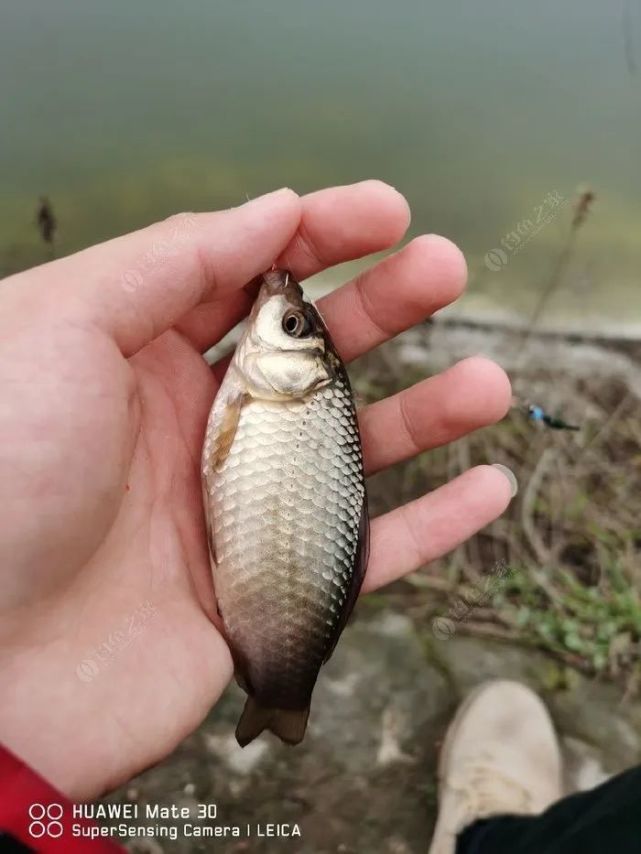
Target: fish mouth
(281,282)
(273,282)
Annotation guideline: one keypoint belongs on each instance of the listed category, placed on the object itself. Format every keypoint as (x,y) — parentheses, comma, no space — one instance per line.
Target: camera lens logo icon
(45,820)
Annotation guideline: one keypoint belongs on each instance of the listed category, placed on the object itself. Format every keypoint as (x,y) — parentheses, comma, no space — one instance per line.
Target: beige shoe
(500,756)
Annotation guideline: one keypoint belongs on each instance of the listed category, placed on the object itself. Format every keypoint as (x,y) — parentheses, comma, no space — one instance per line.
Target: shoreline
(608,333)
(477,311)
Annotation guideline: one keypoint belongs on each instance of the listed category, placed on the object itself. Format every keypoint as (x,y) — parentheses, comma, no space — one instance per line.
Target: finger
(342,223)
(207,323)
(337,224)
(392,296)
(138,286)
(395,294)
(472,394)
(412,535)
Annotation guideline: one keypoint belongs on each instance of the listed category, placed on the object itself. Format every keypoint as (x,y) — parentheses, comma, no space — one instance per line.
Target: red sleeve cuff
(39,817)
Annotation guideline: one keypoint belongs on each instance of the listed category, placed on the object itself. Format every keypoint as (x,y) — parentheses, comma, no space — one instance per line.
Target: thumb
(136,287)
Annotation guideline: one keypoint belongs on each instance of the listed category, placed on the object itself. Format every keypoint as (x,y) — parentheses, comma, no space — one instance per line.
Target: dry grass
(571,540)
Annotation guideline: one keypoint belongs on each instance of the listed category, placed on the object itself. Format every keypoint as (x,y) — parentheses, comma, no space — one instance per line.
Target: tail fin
(289,725)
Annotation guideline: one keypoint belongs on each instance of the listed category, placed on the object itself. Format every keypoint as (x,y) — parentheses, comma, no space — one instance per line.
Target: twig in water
(47,224)
(628,43)
(581,210)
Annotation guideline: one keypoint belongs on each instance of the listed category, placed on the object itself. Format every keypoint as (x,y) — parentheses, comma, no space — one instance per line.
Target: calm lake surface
(484,115)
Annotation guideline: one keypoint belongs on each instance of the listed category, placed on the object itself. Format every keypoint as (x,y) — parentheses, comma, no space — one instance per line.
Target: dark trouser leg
(605,820)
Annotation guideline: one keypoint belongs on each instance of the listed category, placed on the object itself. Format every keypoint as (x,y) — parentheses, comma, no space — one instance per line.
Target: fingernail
(509,474)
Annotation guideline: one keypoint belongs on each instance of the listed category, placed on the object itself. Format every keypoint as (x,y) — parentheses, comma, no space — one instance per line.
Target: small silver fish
(286,508)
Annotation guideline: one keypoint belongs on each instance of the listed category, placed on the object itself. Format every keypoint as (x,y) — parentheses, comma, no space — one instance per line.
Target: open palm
(107,612)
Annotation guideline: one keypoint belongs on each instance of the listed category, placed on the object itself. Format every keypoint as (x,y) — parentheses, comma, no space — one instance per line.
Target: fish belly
(285,507)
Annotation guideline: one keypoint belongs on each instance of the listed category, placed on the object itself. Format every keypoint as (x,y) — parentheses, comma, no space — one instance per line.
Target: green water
(123,112)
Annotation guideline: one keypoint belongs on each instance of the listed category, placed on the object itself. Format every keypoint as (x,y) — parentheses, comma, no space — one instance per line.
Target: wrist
(39,816)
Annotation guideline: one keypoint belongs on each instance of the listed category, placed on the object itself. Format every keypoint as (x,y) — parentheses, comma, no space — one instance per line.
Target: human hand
(108,653)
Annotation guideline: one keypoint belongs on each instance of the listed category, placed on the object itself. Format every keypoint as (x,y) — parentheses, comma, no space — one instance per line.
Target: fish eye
(297,324)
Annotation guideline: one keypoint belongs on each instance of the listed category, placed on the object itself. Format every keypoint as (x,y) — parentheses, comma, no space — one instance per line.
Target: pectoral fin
(227,429)
(210,534)
(223,440)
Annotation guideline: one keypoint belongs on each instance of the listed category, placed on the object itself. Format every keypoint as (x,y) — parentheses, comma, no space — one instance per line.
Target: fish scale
(285,516)
(285,502)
